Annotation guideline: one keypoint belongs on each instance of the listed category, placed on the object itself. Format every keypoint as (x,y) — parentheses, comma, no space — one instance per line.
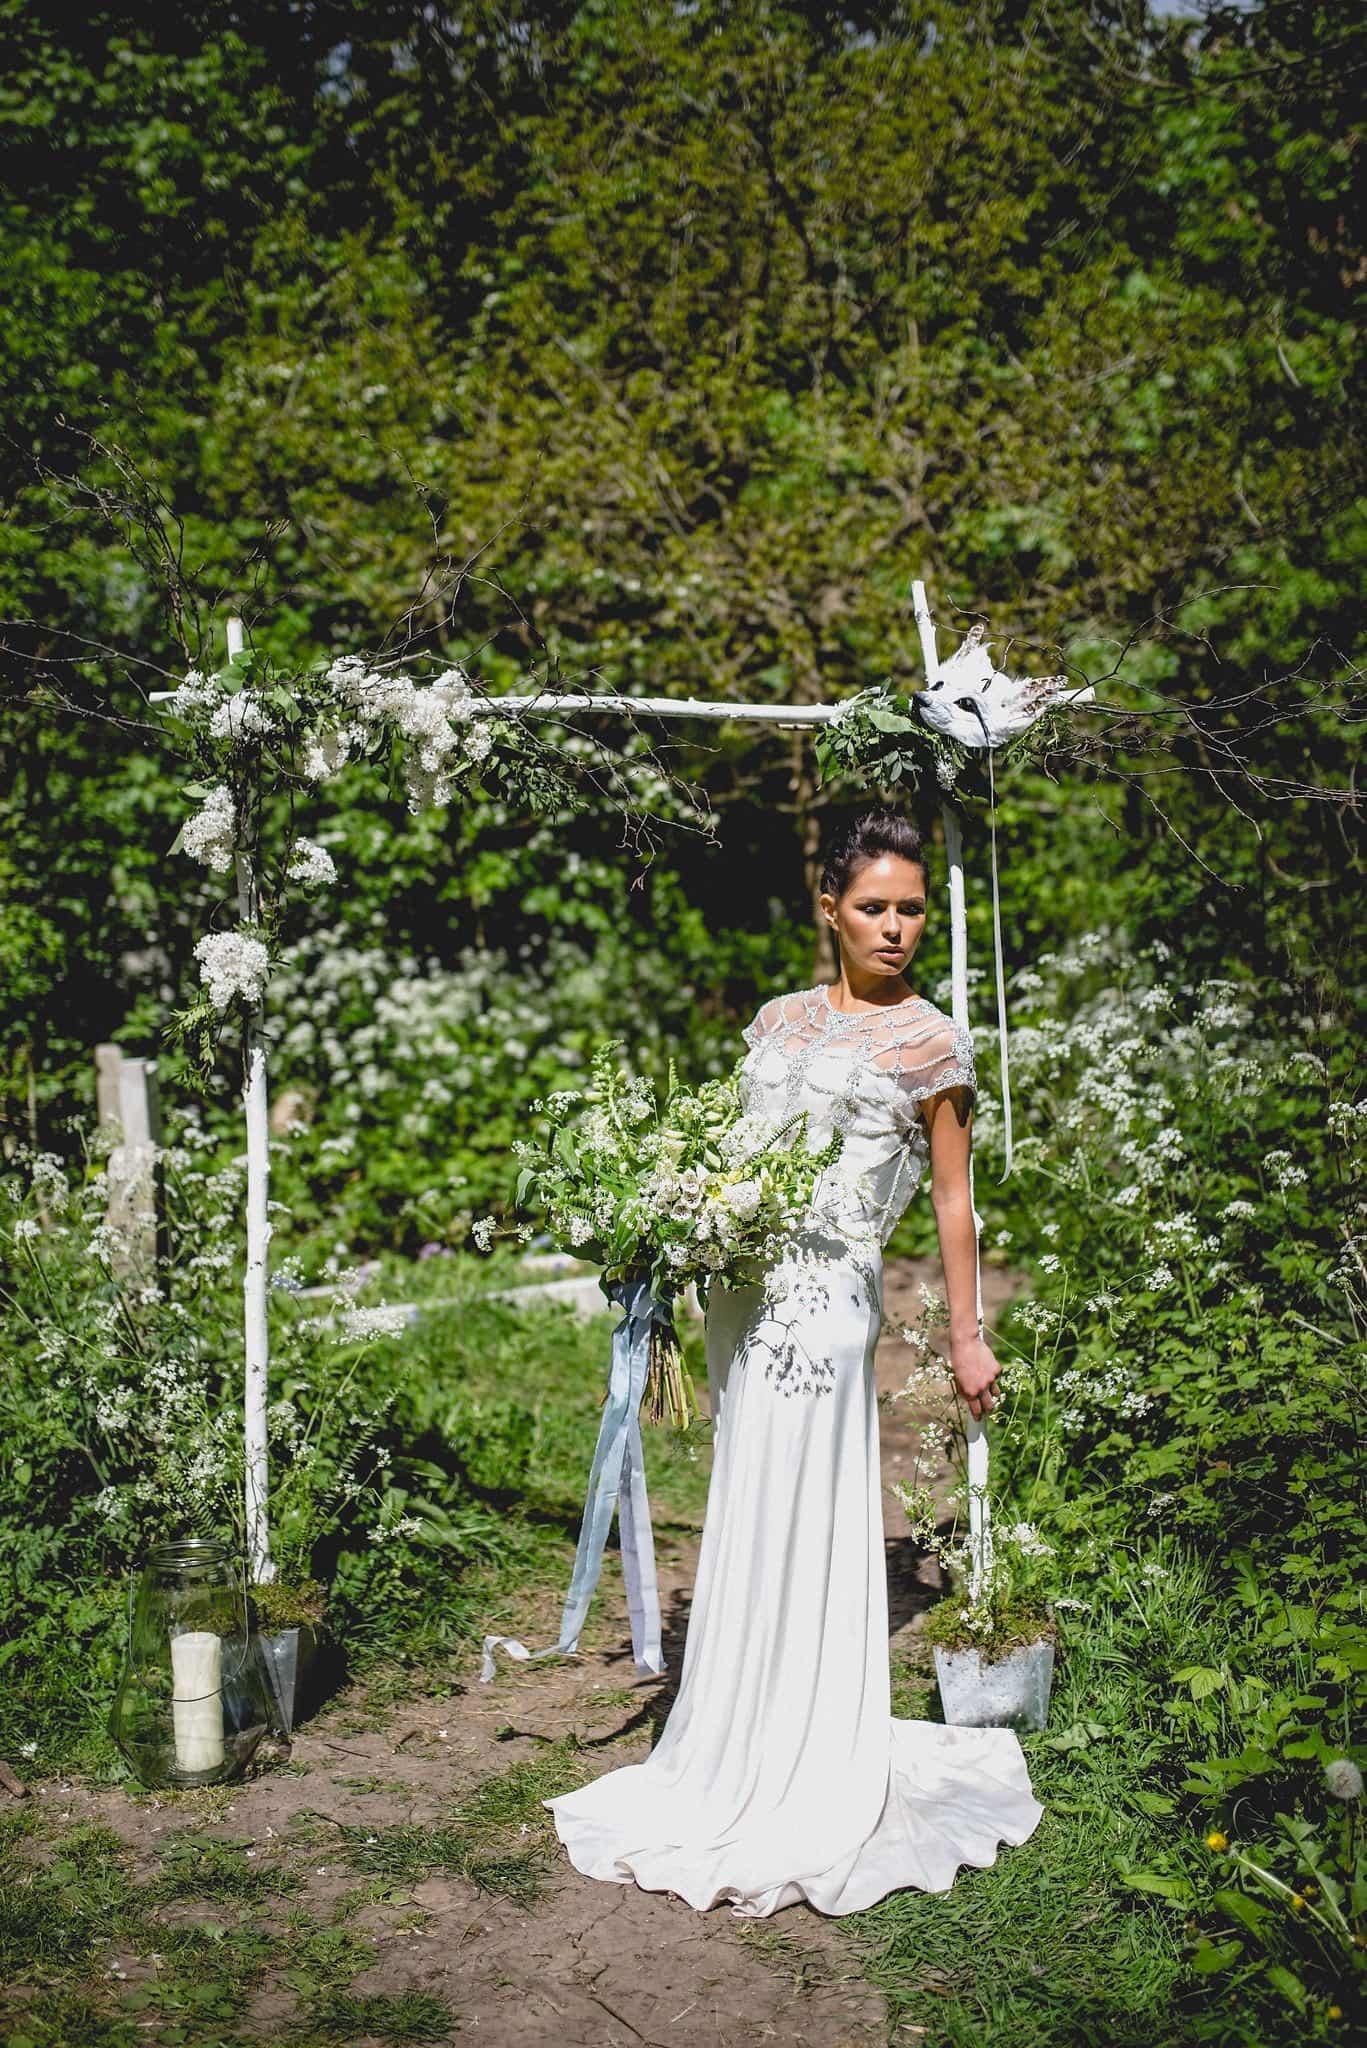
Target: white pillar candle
(197,1699)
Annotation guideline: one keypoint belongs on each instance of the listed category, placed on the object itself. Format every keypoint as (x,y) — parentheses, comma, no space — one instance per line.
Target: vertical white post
(925,626)
(255,1105)
(979,1519)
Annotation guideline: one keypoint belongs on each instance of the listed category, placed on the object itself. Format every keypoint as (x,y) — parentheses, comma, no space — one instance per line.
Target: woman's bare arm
(971,1359)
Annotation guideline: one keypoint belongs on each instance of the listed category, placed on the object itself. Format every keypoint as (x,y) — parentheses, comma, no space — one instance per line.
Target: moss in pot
(289,1616)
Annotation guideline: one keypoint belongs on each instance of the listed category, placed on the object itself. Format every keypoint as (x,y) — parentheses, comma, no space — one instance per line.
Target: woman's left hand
(975,1372)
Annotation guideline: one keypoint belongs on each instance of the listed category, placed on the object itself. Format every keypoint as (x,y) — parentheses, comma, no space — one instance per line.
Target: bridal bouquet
(689,1190)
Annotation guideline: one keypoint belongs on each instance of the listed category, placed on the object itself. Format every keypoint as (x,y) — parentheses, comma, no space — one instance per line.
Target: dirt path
(587,1964)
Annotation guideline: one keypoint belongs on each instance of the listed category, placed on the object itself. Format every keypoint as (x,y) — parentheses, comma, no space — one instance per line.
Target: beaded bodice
(873,1075)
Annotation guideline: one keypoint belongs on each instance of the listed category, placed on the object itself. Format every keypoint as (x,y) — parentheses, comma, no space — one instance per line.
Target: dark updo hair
(853,845)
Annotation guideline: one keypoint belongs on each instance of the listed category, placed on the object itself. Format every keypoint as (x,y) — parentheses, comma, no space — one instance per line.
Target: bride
(780,1774)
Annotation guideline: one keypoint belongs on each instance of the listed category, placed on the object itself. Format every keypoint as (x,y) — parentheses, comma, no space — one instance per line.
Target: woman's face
(880,917)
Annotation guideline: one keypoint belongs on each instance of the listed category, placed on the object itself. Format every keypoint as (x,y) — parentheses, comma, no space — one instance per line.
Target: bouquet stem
(670,1395)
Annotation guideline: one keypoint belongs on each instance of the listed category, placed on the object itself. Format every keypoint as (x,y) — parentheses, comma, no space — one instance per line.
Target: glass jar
(190,1707)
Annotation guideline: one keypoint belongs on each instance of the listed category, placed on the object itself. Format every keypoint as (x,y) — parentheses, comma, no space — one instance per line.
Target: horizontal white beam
(551,706)
(661,707)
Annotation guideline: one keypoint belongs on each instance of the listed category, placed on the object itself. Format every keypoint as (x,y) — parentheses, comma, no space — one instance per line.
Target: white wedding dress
(780,1774)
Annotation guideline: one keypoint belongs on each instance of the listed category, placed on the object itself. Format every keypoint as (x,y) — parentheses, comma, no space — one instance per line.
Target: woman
(780,1774)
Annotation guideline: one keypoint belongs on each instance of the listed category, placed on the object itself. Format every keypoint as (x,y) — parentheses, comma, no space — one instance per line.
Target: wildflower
(483,1231)
(1035,1315)
(381,1321)
(1343,1778)
(1159,1278)
(1217,1841)
(27,1226)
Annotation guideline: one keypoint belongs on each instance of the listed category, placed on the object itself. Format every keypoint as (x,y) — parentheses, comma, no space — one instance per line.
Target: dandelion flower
(1343,1778)
(1217,1841)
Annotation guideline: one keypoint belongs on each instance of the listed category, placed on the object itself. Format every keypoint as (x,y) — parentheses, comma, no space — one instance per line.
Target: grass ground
(395,1877)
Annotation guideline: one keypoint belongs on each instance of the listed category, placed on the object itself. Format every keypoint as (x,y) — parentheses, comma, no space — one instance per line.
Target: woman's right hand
(975,1372)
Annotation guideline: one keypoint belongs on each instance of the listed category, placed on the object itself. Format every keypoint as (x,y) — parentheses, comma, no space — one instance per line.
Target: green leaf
(1176,1889)
(1209,1958)
(1288,1984)
(1152,1802)
(564,1146)
(1235,1905)
(1201,1678)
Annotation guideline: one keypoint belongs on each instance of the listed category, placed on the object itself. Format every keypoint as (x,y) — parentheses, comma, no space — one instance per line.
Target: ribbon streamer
(1001,970)
(617,1480)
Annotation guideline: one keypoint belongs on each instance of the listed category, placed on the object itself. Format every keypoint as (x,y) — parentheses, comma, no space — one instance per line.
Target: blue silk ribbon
(617,1480)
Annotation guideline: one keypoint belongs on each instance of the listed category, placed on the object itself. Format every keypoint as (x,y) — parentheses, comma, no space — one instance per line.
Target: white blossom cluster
(435,720)
(239,717)
(1348,1120)
(234,967)
(383,1320)
(1095,1393)
(211,834)
(311,864)
(1283,1172)
(194,694)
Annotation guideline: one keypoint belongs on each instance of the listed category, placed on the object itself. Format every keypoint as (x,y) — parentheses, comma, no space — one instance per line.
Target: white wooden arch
(966,699)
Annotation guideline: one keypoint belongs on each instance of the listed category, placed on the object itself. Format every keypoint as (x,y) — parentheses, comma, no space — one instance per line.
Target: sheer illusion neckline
(907,1003)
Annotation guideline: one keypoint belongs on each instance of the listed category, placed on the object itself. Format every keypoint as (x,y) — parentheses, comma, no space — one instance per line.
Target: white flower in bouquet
(693,1190)
(743,1198)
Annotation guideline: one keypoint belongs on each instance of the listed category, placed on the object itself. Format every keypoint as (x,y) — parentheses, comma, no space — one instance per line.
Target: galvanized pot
(1010,1692)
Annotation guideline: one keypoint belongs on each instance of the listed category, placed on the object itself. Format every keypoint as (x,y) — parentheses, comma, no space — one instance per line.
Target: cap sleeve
(938,1065)
(763,1021)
